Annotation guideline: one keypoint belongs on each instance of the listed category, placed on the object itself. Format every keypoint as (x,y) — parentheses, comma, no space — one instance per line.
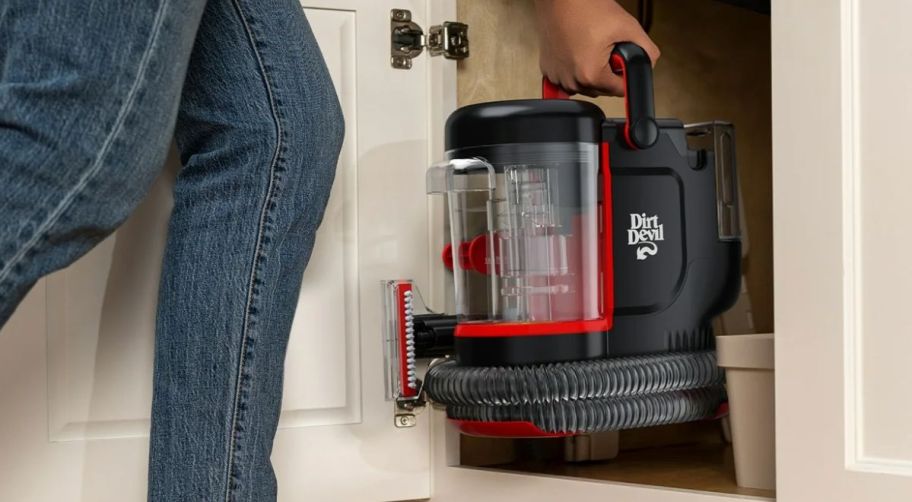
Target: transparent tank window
(713,143)
(533,249)
(526,233)
(469,186)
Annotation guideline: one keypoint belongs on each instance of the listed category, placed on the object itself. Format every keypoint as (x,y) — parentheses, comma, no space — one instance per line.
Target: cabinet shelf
(654,456)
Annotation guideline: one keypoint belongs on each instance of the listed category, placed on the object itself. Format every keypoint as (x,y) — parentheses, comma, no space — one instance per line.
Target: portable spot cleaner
(589,257)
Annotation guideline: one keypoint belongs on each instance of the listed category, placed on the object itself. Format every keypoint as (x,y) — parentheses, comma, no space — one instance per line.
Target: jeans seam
(95,167)
(257,254)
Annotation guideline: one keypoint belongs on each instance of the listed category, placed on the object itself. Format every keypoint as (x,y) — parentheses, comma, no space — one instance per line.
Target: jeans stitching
(249,309)
(102,152)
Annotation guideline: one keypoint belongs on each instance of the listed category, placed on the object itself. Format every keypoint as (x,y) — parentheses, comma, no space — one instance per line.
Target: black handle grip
(631,62)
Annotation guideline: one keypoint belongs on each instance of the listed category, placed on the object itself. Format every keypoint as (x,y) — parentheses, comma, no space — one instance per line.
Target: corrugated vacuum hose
(584,396)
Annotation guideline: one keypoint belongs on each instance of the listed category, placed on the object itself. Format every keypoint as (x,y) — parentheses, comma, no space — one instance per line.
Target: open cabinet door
(842,82)
(76,359)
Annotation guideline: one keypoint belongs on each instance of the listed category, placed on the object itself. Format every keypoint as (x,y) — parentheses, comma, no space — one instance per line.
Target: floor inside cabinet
(685,456)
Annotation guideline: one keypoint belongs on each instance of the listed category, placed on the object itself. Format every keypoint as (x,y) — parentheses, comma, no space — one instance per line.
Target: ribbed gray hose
(600,415)
(450,384)
(584,396)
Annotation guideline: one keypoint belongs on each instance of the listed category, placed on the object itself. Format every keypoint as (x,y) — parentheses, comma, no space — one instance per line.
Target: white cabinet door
(76,359)
(842,96)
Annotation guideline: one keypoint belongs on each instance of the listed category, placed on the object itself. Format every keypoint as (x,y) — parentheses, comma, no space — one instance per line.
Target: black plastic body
(665,302)
(528,350)
(523,121)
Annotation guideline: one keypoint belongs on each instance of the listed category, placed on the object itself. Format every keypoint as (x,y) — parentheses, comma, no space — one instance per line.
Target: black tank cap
(524,121)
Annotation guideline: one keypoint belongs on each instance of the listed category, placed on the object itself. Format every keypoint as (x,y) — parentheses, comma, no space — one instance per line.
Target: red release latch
(472,255)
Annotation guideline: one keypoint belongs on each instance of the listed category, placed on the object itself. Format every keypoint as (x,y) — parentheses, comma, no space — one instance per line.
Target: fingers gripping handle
(632,63)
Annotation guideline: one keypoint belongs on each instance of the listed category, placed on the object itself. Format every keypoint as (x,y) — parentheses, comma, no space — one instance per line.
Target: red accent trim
(722,411)
(404,389)
(608,236)
(447,256)
(508,329)
(551,90)
(510,429)
(619,66)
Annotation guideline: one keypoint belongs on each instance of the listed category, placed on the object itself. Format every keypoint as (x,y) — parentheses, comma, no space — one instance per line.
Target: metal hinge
(407,39)
(406,409)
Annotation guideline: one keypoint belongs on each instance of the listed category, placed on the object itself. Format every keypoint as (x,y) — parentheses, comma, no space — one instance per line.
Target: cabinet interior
(715,65)
(692,456)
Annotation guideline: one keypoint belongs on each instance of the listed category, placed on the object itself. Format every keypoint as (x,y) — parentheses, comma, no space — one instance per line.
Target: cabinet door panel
(841,92)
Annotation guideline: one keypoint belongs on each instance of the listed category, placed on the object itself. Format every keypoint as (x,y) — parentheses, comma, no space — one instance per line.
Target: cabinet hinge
(408,40)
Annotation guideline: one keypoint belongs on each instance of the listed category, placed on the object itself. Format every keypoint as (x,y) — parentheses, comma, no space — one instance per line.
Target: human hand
(577,37)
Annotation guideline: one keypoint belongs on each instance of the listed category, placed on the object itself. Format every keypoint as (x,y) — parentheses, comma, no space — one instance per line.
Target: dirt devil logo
(644,232)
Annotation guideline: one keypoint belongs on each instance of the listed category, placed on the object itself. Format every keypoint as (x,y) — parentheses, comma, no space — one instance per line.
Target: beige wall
(715,65)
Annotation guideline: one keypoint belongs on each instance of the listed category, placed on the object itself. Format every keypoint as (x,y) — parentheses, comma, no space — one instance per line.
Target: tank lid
(524,121)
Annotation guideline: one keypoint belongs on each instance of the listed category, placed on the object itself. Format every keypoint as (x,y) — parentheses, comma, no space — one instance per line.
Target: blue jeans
(91,94)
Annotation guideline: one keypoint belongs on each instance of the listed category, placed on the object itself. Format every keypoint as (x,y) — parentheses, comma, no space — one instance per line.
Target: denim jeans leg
(88,100)
(259,130)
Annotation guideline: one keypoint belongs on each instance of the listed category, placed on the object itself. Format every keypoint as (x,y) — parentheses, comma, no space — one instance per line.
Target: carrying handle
(631,62)
(551,90)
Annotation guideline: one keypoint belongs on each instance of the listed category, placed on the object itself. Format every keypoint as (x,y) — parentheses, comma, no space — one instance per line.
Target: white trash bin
(748,362)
